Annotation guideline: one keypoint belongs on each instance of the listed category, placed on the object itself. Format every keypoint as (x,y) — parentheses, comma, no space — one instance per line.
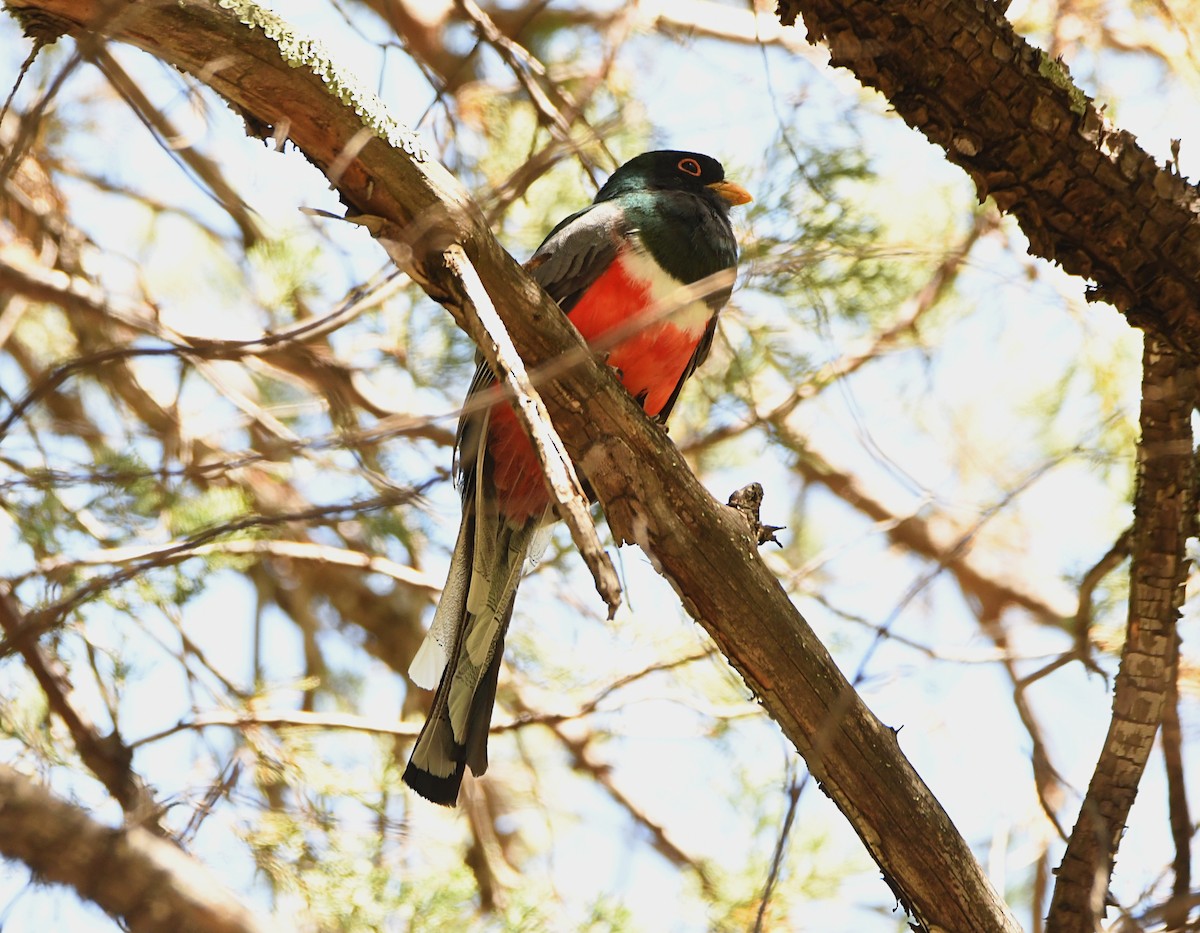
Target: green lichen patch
(1057,74)
(301,51)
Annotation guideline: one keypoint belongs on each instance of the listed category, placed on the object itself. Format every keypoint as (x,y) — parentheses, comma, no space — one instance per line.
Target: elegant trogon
(660,222)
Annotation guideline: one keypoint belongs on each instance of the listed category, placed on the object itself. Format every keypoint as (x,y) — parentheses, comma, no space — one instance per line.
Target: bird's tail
(461,654)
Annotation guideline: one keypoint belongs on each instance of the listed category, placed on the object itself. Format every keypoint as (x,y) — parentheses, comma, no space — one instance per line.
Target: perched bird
(660,222)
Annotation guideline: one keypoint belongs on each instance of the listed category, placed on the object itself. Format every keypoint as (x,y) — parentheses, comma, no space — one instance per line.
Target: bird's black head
(672,170)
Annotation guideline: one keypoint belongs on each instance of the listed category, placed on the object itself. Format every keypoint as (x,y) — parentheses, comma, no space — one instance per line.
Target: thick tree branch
(650,496)
(1163,519)
(149,883)
(1085,193)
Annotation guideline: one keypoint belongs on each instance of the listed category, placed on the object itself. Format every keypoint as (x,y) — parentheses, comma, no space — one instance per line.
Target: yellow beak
(734,194)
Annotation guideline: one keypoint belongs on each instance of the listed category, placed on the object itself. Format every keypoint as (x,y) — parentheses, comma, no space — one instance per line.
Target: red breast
(650,363)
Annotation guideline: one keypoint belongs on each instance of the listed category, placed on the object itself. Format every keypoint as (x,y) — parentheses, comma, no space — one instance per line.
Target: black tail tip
(440,790)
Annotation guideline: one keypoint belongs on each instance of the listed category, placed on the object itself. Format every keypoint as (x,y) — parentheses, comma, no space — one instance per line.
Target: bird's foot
(748,500)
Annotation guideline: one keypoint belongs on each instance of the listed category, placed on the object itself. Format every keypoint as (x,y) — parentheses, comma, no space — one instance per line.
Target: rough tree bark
(284,86)
(1085,193)
(1164,517)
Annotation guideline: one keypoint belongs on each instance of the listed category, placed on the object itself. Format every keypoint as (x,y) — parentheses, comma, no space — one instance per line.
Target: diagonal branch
(106,756)
(1085,193)
(147,882)
(556,462)
(650,496)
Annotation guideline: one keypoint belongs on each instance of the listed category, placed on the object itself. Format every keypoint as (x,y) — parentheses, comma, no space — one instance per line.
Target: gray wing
(577,251)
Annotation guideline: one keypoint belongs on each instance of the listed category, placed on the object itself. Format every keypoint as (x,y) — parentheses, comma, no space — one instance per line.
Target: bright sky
(958,724)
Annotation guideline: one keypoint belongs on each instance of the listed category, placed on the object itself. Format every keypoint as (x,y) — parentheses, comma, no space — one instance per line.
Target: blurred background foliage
(944,425)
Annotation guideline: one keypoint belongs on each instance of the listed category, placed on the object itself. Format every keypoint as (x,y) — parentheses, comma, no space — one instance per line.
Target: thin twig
(295,550)
(168,137)
(1087,587)
(107,756)
(45,618)
(794,790)
(282,719)
(582,759)
(908,315)
(531,73)
(529,716)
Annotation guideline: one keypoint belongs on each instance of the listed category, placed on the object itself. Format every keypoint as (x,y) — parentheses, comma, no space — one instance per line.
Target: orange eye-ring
(690,167)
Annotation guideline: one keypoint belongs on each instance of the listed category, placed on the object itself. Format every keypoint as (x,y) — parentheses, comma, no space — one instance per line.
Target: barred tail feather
(439,760)
(476,607)
(432,657)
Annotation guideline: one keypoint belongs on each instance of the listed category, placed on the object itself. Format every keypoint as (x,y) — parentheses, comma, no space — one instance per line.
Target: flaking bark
(1085,193)
(1164,517)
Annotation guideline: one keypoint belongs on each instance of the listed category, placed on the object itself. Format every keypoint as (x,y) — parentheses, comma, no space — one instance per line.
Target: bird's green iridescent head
(673,170)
